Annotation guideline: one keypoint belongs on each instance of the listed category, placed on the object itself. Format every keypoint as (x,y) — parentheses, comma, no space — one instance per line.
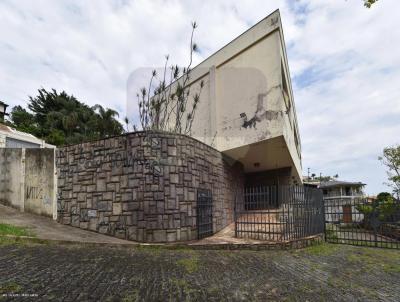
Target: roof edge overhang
(238,45)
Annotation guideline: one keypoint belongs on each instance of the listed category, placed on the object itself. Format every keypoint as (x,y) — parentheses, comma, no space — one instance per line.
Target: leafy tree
(328,178)
(61,119)
(368,3)
(391,159)
(384,207)
(56,137)
(325,178)
(383,196)
(25,120)
(107,125)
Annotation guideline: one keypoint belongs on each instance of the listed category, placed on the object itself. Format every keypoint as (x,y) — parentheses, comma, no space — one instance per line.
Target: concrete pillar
(213,106)
(55,195)
(2,141)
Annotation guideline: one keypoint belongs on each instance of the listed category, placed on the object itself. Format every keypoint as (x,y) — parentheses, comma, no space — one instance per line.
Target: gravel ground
(326,272)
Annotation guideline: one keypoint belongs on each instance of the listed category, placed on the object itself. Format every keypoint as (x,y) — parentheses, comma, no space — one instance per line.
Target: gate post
(323,214)
(234,212)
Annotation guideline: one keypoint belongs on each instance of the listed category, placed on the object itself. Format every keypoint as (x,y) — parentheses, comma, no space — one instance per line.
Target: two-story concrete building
(161,186)
(246,108)
(342,189)
(341,199)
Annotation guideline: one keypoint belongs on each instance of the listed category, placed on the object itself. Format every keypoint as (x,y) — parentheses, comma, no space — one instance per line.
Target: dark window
(285,87)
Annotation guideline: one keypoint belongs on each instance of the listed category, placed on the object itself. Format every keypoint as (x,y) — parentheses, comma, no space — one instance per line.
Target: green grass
(372,259)
(191,264)
(16,235)
(365,243)
(331,234)
(4,240)
(8,229)
(132,296)
(322,249)
(10,288)
(184,286)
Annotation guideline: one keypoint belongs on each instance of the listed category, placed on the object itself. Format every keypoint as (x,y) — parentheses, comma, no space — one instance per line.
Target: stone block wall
(143,186)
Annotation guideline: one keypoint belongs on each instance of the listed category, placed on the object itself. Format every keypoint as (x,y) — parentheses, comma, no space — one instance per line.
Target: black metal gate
(204,213)
(352,220)
(279,213)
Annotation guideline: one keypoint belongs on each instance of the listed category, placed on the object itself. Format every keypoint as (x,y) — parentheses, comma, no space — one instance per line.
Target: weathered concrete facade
(246,108)
(28,181)
(11,174)
(143,186)
(40,182)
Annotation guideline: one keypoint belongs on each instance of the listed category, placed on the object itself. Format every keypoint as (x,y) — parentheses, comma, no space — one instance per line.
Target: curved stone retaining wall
(143,186)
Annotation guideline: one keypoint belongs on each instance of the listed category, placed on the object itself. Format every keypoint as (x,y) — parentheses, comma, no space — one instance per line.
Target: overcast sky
(344,61)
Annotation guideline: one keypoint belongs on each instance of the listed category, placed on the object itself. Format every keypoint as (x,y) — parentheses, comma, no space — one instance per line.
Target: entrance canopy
(267,155)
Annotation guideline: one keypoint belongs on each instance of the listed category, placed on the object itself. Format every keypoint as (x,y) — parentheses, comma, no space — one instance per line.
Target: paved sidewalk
(48,229)
(227,236)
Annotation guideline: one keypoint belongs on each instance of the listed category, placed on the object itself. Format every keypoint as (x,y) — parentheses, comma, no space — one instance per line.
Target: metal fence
(355,221)
(279,213)
(204,213)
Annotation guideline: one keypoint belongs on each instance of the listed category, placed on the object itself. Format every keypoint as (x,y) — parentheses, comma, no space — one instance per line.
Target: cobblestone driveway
(322,273)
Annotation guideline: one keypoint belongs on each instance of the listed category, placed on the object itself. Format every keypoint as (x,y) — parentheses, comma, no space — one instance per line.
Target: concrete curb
(29,239)
(295,244)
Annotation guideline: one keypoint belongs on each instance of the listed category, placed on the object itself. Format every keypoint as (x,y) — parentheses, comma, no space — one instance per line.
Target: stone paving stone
(321,273)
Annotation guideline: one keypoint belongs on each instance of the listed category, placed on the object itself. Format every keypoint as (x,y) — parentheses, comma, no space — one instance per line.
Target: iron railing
(279,213)
(357,222)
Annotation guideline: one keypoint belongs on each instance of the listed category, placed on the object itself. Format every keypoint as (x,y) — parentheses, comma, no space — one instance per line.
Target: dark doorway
(204,213)
(347,213)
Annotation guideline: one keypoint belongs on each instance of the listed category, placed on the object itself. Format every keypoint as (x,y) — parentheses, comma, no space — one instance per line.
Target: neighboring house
(342,189)
(11,138)
(246,108)
(3,109)
(341,199)
(370,199)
